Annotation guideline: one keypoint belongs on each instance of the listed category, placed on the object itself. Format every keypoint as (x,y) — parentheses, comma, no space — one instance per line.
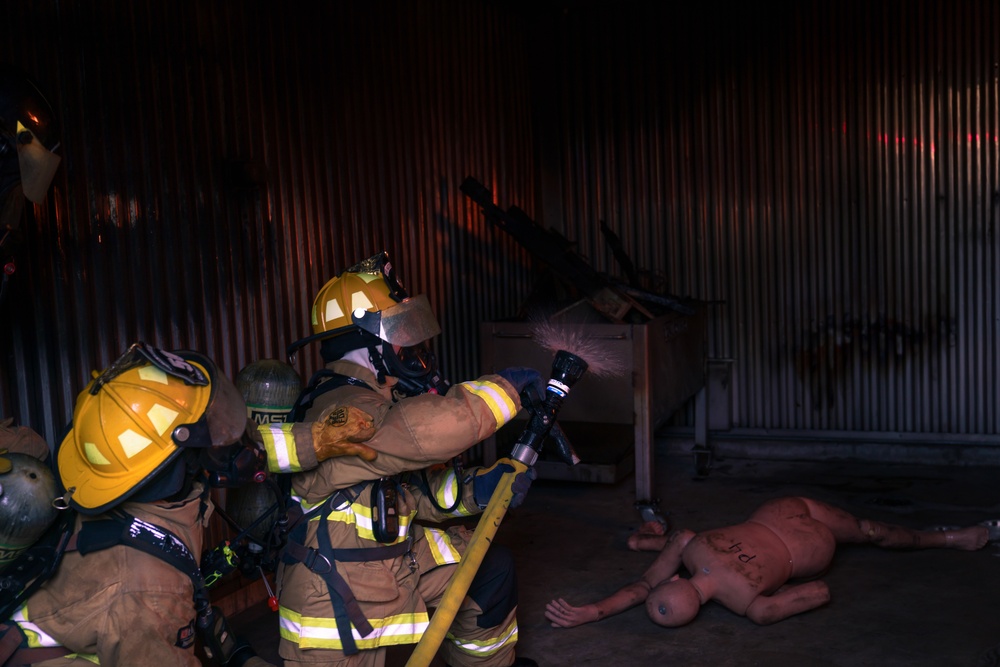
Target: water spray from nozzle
(599,358)
(575,354)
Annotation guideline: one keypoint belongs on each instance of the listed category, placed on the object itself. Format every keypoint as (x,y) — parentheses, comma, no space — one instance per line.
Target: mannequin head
(674,603)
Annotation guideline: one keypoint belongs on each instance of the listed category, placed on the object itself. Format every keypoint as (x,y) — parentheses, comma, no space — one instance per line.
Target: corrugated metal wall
(828,169)
(222,160)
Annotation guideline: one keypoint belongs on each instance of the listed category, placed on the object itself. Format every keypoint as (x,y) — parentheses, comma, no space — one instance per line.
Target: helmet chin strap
(377,362)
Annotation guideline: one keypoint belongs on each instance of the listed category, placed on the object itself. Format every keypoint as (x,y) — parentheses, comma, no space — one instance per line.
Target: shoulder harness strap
(322,381)
(123,528)
(322,561)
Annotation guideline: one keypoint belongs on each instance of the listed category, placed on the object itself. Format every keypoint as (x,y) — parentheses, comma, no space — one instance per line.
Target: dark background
(827,170)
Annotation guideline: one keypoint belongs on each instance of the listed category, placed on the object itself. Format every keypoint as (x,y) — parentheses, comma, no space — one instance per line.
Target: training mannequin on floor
(746,567)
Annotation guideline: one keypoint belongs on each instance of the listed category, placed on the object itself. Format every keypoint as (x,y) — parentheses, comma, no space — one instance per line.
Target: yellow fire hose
(567,367)
(475,551)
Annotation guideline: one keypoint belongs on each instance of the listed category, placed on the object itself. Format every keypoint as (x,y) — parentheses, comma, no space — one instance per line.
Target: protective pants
(492,601)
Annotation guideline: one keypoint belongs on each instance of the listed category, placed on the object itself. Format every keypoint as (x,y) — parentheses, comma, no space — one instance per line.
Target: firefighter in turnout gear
(147,437)
(360,572)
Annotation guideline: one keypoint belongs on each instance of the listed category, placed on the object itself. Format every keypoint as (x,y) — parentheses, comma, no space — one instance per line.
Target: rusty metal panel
(828,172)
(224,160)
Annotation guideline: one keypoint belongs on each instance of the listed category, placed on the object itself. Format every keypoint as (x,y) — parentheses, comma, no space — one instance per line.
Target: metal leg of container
(643,399)
(702,451)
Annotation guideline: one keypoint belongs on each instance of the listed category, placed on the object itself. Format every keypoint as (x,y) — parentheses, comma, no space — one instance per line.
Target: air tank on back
(27,491)
(270,388)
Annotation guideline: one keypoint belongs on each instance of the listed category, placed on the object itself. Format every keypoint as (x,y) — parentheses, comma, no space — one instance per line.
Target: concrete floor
(935,608)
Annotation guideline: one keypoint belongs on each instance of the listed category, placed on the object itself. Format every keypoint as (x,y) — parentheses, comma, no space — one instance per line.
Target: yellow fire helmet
(369,297)
(134,419)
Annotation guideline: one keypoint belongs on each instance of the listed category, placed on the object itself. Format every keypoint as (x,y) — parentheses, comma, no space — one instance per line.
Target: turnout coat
(413,434)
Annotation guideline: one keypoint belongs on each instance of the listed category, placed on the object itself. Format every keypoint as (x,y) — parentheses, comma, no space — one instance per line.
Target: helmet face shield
(38,164)
(406,324)
(226,414)
(29,126)
(171,364)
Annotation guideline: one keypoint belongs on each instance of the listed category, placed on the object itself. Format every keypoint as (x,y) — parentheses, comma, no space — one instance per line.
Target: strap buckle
(310,562)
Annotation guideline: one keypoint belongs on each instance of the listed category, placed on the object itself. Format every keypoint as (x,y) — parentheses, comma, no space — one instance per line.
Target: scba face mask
(415,368)
(233,466)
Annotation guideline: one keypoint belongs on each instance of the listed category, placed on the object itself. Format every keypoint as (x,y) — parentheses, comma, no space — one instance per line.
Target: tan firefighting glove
(341,430)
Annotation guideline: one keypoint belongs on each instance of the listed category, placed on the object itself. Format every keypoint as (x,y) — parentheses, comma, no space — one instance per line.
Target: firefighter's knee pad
(494,587)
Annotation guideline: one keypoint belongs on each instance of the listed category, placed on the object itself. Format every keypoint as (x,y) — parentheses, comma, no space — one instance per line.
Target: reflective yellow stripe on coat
(359,515)
(36,637)
(279,443)
(448,491)
(441,547)
(311,632)
(501,405)
(487,647)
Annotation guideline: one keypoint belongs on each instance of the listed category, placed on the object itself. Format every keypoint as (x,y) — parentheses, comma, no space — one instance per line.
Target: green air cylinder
(27,491)
(269,388)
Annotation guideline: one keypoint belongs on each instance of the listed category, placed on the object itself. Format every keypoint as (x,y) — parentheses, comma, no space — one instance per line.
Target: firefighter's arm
(294,447)
(431,428)
(341,431)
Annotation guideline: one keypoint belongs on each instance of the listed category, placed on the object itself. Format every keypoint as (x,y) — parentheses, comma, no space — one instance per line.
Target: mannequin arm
(788,601)
(564,615)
